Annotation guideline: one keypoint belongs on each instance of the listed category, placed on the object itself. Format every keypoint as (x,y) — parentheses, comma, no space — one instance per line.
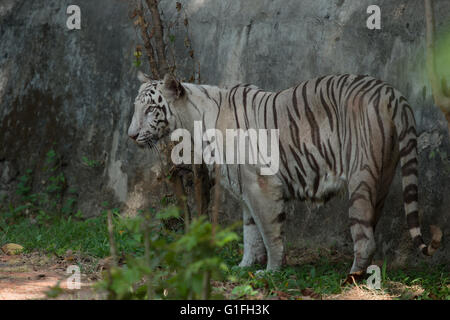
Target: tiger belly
(329,186)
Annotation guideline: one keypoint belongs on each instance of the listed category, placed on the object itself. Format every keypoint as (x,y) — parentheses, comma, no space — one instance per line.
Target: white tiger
(336,132)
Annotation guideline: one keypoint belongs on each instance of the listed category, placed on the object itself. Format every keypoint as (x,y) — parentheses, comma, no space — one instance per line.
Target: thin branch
(112,243)
(198,188)
(216,201)
(206,285)
(177,184)
(206,288)
(147,255)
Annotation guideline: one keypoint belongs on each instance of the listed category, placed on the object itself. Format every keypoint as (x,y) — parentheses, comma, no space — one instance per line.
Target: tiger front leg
(254,249)
(264,197)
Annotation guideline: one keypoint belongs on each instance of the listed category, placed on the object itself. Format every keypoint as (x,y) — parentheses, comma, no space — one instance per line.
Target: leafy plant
(47,203)
(243,290)
(91,163)
(175,265)
(384,271)
(24,185)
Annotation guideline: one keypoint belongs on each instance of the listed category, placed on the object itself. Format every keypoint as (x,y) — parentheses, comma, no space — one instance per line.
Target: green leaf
(168,213)
(244,290)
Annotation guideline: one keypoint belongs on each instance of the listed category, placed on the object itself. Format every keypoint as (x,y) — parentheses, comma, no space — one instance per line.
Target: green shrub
(174,265)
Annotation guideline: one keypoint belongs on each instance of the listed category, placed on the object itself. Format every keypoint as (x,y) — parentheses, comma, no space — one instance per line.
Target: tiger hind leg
(368,192)
(362,223)
(362,231)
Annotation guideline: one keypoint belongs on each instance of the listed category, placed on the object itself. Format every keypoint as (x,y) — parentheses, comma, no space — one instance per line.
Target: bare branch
(180,194)
(147,255)
(216,201)
(206,285)
(112,243)
(201,191)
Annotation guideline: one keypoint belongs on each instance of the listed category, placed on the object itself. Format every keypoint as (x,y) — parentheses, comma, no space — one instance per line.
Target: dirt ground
(36,276)
(32,276)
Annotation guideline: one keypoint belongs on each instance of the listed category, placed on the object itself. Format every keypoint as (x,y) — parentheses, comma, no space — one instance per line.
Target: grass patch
(319,274)
(58,235)
(433,280)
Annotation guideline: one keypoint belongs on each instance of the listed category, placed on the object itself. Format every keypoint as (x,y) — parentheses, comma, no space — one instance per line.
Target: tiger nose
(134,137)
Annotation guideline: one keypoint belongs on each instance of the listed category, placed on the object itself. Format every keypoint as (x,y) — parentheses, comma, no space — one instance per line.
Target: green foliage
(243,291)
(68,206)
(57,235)
(56,184)
(434,280)
(322,277)
(90,163)
(55,291)
(24,185)
(50,200)
(175,265)
(137,62)
(442,53)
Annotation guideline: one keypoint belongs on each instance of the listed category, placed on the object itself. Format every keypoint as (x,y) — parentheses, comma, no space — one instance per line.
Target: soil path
(37,276)
(32,276)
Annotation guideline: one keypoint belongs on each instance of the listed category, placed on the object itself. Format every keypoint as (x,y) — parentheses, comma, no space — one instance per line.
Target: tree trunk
(147,43)
(159,36)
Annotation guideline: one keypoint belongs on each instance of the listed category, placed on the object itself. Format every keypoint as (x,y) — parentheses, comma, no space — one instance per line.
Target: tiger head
(153,118)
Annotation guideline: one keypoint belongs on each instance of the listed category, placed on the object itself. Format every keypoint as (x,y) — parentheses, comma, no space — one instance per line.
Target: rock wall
(73,91)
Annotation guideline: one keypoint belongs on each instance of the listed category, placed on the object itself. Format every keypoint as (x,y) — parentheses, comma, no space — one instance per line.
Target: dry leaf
(69,258)
(310,293)
(105,263)
(187,42)
(12,249)
(282,295)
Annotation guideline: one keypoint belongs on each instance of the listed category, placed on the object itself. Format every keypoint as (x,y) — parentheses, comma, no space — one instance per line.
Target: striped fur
(336,132)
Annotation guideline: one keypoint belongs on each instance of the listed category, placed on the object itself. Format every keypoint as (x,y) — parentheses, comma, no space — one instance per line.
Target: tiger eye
(149,109)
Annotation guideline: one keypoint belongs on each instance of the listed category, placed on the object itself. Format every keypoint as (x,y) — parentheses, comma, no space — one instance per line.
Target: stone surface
(73,91)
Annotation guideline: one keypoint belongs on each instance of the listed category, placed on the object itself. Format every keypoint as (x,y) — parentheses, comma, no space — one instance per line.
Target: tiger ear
(143,77)
(173,89)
